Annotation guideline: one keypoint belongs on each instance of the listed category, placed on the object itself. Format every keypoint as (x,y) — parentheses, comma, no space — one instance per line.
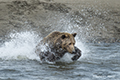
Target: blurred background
(92,20)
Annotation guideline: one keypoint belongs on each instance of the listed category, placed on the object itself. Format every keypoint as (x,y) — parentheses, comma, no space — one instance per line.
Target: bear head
(68,42)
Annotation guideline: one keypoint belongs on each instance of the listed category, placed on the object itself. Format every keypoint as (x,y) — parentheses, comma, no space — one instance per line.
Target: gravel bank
(99,21)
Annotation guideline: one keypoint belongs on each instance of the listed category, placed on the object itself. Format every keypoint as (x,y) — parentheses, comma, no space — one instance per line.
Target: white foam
(67,58)
(21,46)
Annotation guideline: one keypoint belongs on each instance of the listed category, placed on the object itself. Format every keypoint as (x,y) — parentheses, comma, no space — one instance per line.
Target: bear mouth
(73,53)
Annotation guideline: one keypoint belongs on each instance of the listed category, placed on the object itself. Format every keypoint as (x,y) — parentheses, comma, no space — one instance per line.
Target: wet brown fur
(56,40)
(59,43)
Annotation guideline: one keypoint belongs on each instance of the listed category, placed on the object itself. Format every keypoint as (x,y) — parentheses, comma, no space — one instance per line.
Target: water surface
(99,61)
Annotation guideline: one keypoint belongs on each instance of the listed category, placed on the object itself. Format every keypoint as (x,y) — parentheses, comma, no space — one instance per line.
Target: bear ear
(63,36)
(74,34)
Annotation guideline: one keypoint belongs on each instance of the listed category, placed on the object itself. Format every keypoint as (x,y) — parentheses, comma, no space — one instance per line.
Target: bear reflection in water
(58,43)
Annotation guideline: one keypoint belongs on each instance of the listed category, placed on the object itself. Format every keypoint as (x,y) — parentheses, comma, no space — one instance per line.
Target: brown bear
(57,44)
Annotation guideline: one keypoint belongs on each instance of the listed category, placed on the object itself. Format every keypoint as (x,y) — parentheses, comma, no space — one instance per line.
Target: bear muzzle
(71,50)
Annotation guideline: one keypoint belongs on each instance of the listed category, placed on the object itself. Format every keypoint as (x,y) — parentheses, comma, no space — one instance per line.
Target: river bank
(94,21)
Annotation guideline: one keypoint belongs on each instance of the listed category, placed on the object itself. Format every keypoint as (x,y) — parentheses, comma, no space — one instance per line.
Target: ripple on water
(8,74)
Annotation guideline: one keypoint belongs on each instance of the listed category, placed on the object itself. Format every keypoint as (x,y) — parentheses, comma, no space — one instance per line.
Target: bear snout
(73,51)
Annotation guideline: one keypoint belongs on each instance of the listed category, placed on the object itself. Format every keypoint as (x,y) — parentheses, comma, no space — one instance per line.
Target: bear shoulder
(53,34)
(52,37)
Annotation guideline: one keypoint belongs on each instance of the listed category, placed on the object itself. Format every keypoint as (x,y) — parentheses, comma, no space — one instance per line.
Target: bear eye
(69,43)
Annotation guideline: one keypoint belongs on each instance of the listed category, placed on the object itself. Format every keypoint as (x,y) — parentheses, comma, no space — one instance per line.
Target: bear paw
(77,54)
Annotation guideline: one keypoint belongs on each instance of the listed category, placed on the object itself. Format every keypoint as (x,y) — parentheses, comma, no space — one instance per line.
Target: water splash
(21,46)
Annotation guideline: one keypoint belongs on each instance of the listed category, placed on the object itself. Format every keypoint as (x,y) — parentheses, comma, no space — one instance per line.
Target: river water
(99,61)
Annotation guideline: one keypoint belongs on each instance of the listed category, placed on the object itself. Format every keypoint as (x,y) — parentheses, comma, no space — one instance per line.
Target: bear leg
(49,56)
(77,54)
